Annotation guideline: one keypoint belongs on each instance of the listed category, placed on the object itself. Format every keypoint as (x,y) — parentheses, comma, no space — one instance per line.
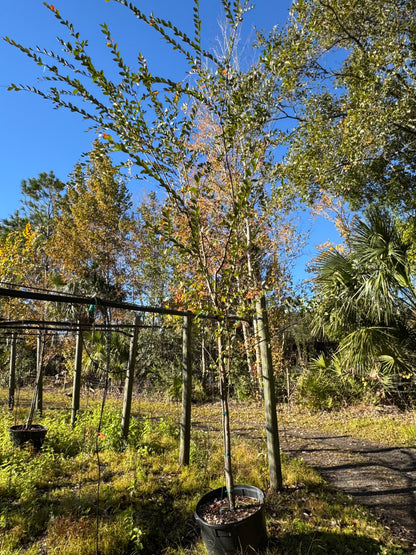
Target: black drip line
(30,293)
(65,326)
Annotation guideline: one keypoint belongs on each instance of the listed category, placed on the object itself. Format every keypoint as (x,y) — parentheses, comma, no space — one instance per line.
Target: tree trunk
(272,432)
(128,384)
(250,366)
(257,365)
(223,382)
(76,389)
(185,426)
(203,359)
(12,372)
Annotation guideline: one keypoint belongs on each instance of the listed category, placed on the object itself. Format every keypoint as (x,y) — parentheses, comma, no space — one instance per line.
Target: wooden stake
(76,387)
(128,384)
(185,424)
(272,432)
(12,372)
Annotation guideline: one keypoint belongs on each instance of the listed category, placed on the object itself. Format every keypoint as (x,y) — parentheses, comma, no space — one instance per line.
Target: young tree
(155,121)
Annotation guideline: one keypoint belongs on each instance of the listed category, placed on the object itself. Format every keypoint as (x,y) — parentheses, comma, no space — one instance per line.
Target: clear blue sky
(35,137)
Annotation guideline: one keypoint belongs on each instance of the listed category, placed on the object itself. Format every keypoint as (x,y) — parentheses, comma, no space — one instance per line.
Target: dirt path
(382,478)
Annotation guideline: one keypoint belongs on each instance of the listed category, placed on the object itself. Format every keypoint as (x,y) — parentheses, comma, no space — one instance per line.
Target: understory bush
(323,386)
(327,384)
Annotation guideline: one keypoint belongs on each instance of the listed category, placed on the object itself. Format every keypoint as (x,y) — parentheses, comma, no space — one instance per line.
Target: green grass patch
(382,424)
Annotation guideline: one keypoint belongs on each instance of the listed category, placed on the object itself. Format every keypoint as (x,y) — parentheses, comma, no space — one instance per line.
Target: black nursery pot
(35,435)
(244,536)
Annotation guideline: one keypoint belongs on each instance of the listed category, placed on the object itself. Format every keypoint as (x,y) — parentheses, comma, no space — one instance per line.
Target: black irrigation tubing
(92,301)
(68,326)
(10,333)
(105,303)
(8,327)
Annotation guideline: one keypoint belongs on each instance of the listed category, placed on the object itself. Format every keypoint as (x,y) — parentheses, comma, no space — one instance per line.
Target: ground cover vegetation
(87,493)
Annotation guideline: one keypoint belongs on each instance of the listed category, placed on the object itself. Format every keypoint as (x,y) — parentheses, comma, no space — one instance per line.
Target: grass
(85,493)
(381,424)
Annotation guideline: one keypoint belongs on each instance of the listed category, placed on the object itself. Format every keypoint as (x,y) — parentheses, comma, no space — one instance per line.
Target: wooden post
(128,384)
(272,432)
(39,372)
(76,386)
(12,372)
(203,357)
(257,365)
(251,372)
(185,424)
(38,389)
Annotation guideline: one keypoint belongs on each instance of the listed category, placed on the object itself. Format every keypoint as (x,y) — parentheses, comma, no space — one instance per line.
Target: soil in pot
(227,532)
(34,434)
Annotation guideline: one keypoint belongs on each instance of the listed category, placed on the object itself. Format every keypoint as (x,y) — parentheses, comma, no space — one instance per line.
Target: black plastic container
(244,536)
(35,435)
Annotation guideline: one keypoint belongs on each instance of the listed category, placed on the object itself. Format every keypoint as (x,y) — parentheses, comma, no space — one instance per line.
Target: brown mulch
(380,477)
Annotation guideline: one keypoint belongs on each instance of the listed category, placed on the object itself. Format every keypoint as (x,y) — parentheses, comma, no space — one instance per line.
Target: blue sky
(35,137)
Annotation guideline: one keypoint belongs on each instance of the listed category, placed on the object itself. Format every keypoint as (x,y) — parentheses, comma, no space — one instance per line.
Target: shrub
(325,386)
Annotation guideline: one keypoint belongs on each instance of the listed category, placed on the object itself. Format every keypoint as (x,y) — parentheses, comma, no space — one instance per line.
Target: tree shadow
(380,477)
(318,543)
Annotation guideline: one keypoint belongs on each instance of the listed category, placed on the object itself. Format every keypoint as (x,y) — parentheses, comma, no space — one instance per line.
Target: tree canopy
(91,238)
(351,69)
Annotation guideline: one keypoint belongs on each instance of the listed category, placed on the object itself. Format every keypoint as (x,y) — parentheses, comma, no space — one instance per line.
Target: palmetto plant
(96,354)
(366,300)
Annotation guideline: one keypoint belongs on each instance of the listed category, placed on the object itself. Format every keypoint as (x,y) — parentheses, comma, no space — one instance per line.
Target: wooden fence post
(185,424)
(39,371)
(12,372)
(128,384)
(76,386)
(272,432)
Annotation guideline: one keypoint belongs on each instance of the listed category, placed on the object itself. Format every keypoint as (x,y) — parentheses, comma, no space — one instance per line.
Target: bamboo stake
(226,432)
